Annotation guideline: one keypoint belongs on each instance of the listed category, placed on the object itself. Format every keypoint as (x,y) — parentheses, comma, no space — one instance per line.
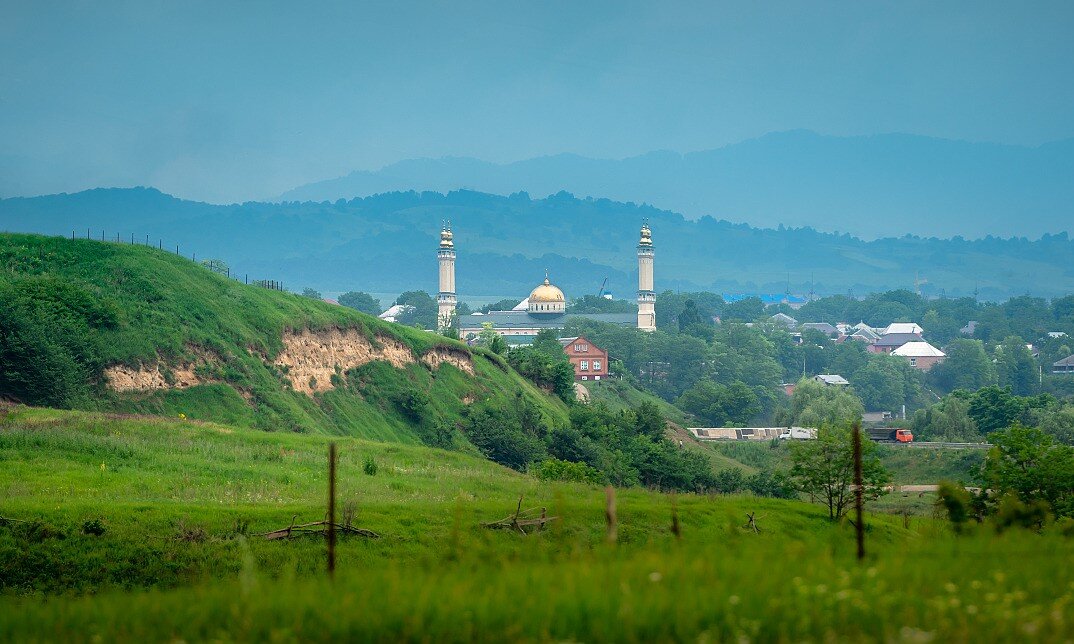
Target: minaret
(445,299)
(646,294)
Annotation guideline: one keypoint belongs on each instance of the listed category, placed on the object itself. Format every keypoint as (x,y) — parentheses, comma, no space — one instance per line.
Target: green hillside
(132,329)
(148,529)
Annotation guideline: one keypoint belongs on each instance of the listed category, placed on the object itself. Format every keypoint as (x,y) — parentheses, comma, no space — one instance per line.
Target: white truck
(798,434)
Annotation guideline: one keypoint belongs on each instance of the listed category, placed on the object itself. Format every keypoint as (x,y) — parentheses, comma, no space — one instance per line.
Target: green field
(182,503)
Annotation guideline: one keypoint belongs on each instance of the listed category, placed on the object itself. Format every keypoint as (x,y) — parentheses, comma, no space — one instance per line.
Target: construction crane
(918,282)
(600,293)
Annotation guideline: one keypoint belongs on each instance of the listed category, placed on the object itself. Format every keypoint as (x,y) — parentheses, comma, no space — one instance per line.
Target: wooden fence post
(331,509)
(859,525)
(676,529)
(609,514)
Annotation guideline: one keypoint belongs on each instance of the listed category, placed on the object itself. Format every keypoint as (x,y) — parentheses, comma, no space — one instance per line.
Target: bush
(729,481)
(369,465)
(498,434)
(776,485)
(94,527)
(554,469)
(953,500)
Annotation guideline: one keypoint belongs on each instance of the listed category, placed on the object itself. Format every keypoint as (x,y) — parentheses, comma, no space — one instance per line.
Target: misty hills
(870,186)
(386,243)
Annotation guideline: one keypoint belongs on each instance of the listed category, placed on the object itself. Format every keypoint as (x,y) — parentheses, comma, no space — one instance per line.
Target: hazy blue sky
(227,101)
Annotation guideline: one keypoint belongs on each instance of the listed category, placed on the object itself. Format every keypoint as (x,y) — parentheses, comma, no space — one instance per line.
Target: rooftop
(523,320)
(918,350)
(903,327)
(897,339)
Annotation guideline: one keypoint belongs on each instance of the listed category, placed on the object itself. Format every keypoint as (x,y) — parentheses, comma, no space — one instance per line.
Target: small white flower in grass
(655,576)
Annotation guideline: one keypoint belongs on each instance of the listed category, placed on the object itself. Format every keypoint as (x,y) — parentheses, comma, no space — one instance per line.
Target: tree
(547,341)
(491,340)
(824,469)
(1060,425)
(967,366)
(690,316)
(947,420)
(499,435)
(745,310)
(880,385)
(313,294)
(502,305)
(814,404)
(596,304)
(1015,366)
(720,405)
(1028,463)
(216,266)
(650,422)
(993,409)
(422,311)
(361,301)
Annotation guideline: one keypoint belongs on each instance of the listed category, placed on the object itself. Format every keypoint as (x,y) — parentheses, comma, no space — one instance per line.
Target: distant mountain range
(870,186)
(387,244)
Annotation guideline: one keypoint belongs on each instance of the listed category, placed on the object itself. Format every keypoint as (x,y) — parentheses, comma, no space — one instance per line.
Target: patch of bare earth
(313,357)
(157,375)
(437,356)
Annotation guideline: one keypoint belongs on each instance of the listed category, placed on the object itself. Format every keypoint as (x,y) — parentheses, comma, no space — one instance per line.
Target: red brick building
(590,361)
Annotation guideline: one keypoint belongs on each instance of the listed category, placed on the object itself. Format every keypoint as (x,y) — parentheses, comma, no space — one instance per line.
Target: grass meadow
(181,505)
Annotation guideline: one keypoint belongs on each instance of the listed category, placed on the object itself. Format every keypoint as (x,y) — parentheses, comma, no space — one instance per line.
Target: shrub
(956,502)
(776,485)
(94,527)
(554,469)
(728,481)
(369,465)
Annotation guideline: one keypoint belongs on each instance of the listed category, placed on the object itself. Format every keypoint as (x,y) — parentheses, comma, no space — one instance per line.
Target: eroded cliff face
(312,357)
(309,360)
(158,375)
(462,360)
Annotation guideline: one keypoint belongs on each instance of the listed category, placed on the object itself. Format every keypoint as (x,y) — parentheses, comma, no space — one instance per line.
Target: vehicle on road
(797,434)
(891,435)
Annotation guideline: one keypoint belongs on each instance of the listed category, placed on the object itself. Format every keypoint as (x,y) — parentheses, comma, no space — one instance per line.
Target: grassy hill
(160,519)
(134,329)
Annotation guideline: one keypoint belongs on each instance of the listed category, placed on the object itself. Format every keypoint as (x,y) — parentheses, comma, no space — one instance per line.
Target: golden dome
(547,293)
(446,238)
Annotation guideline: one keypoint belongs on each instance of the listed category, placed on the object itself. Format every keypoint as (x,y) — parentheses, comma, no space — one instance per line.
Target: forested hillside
(386,243)
(876,186)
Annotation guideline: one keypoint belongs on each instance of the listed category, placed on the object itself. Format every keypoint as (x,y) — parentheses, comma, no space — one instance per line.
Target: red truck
(891,435)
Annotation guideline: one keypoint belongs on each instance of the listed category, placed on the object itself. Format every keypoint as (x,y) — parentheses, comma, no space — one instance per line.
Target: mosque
(546,306)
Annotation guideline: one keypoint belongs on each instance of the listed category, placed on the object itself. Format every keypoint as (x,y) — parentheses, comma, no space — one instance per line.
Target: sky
(232,101)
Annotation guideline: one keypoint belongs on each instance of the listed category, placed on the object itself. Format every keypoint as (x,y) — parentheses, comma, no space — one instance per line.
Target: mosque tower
(646,294)
(445,298)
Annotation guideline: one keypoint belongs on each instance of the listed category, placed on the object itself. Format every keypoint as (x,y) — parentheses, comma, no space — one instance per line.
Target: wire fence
(213,264)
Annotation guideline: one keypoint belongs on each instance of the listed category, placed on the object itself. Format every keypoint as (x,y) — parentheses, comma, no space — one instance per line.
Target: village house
(921,355)
(590,361)
(1064,366)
